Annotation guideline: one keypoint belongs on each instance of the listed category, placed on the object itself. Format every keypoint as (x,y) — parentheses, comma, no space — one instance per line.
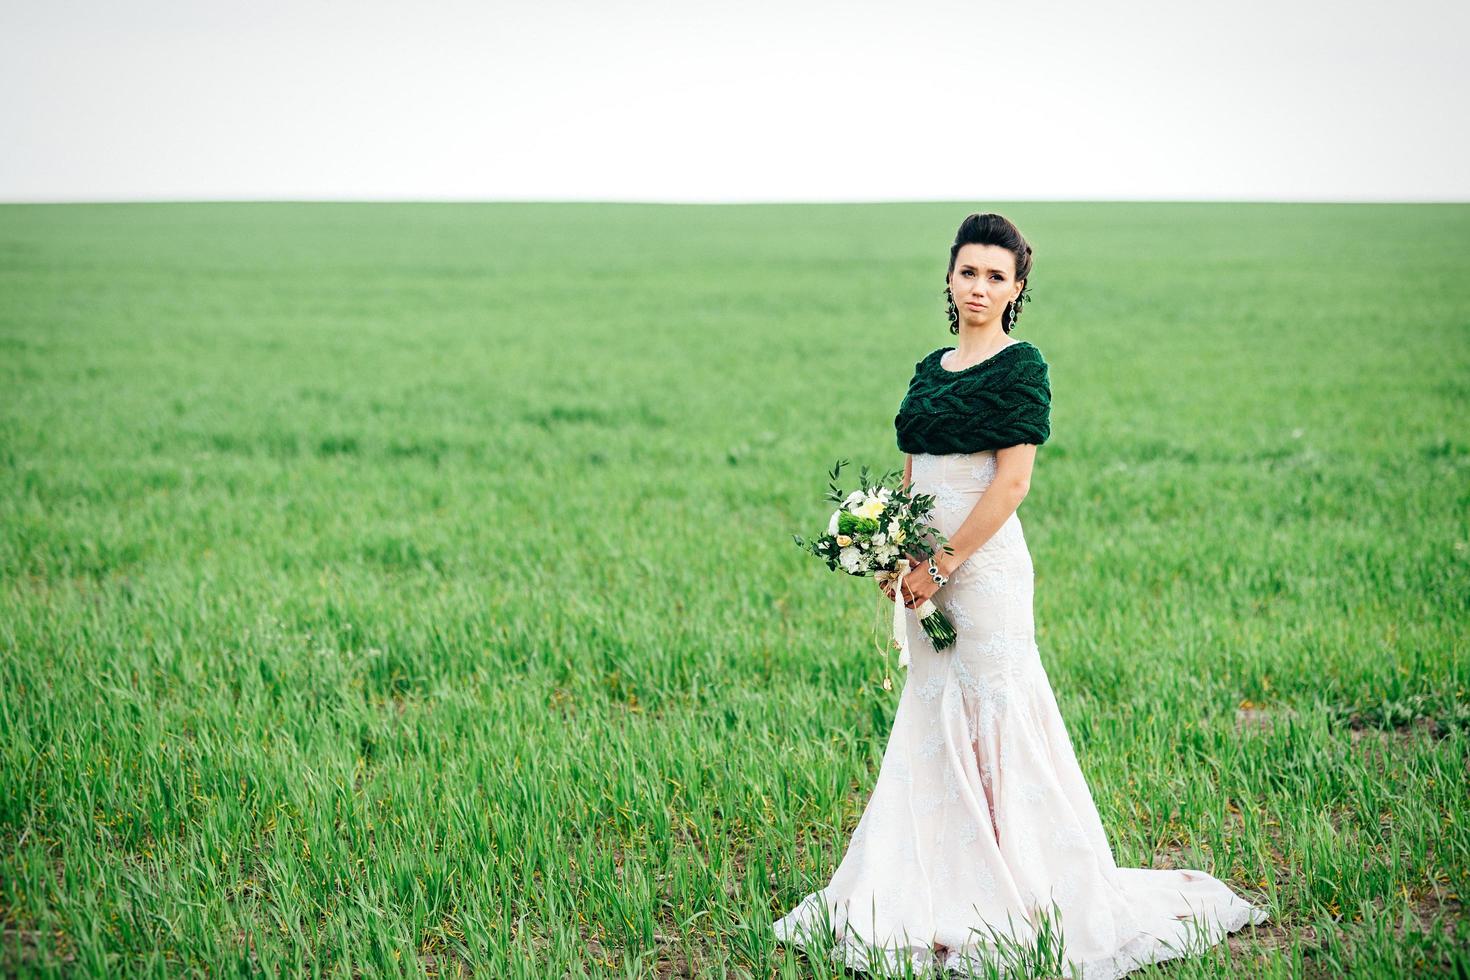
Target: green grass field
(402,589)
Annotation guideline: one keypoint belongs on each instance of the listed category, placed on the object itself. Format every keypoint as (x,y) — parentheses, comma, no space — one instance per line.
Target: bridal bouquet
(864,536)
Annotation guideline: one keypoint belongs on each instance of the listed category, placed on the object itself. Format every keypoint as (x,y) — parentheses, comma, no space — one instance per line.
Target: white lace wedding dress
(981,827)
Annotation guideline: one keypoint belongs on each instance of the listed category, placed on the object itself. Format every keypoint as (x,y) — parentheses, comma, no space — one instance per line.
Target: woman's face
(983,282)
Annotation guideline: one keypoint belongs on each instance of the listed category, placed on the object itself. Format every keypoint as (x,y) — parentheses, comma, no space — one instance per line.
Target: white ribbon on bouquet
(900,628)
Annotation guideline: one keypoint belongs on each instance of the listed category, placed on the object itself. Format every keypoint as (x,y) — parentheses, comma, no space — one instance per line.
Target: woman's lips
(975,306)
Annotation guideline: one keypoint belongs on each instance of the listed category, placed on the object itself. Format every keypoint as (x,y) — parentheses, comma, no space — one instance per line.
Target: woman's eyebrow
(968,266)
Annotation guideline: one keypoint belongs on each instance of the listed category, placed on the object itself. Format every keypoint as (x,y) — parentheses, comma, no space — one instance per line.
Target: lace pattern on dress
(980,816)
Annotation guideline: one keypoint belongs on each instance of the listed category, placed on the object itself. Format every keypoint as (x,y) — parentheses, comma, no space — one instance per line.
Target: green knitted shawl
(1003,401)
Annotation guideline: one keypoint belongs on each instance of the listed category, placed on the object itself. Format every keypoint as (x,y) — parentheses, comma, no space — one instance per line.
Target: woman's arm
(995,506)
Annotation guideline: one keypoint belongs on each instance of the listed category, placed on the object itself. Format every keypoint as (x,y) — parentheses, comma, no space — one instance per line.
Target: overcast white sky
(731,101)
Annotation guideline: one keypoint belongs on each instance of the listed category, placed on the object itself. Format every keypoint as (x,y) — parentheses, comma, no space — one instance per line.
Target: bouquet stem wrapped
(935,623)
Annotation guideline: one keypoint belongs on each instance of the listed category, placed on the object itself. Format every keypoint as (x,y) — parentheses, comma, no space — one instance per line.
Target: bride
(980,849)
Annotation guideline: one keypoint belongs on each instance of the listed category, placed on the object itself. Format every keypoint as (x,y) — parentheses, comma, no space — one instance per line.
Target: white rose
(832,524)
(870,508)
(851,559)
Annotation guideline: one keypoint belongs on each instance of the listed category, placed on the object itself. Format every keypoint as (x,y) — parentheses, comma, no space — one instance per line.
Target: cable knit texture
(1005,400)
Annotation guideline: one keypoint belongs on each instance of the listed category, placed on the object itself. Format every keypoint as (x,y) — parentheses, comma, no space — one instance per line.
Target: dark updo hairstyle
(991,229)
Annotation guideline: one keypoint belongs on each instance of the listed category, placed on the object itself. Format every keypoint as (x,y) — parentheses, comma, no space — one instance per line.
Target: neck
(978,340)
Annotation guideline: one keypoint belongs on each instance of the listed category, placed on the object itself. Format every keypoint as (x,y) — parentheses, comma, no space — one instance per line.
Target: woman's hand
(918,587)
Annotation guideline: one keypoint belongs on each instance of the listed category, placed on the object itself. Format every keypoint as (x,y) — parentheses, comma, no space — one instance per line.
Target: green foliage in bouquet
(874,529)
(853,524)
(874,542)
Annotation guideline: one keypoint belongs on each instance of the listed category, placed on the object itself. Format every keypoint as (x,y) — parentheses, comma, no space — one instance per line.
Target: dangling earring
(952,312)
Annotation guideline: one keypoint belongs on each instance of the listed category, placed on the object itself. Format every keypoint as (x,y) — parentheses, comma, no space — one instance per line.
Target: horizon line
(702,202)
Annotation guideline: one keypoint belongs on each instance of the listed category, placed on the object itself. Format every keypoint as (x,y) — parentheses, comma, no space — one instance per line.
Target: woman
(980,839)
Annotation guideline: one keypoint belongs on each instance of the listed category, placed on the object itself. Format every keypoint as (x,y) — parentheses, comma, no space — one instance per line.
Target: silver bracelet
(934,573)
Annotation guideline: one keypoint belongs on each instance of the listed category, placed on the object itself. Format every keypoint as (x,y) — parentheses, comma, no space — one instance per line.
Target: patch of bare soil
(1254,717)
(1401,736)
